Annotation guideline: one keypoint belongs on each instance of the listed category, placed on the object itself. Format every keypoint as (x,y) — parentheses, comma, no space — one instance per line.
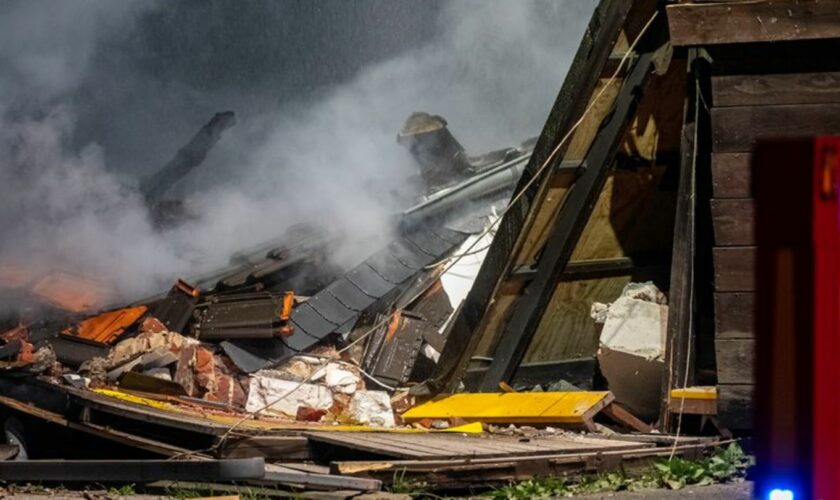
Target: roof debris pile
(281,333)
(276,354)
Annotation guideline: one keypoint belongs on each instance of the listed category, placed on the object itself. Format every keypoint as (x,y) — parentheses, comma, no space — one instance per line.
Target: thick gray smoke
(95,95)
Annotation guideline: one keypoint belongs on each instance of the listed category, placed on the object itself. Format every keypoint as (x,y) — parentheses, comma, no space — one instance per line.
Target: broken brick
(308,414)
(152,325)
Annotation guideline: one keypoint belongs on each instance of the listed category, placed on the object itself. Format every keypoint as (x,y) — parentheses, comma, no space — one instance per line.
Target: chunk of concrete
(285,396)
(632,346)
(372,408)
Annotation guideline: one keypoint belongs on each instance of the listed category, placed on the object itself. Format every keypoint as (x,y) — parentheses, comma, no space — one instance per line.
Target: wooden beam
(568,226)
(620,415)
(682,300)
(755,21)
(693,406)
(736,129)
(594,51)
(734,222)
(778,88)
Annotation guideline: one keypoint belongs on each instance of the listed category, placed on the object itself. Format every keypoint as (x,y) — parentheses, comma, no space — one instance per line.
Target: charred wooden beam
(133,470)
(187,158)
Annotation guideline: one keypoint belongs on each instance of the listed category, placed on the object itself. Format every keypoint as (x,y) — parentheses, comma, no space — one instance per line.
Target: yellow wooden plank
(131,398)
(515,408)
(269,422)
(700,392)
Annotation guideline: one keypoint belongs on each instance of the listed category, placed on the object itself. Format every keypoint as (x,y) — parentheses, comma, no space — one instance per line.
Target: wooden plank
(734,269)
(757,21)
(583,75)
(577,207)
(704,392)
(439,446)
(681,287)
(693,406)
(734,315)
(735,406)
(735,361)
(620,415)
(779,88)
(734,222)
(275,474)
(513,407)
(736,129)
(693,400)
(463,473)
(732,175)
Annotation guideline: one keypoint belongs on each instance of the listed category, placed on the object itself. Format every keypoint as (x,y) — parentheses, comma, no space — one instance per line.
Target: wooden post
(681,297)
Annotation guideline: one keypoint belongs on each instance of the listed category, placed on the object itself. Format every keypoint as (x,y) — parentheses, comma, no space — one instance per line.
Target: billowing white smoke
(492,69)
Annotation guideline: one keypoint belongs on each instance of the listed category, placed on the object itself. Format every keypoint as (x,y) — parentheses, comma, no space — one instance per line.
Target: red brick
(307,414)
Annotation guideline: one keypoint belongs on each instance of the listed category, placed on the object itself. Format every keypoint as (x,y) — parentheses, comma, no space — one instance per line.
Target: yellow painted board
(273,423)
(515,407)
(131,398)
(699,392)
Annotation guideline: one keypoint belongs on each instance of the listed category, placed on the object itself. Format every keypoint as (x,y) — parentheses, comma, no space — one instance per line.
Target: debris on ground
(284,356)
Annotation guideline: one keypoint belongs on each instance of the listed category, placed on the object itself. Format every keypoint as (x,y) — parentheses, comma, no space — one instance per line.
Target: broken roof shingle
(336,308)
(428,242)
(369,281)
(389,267)
(350,296)
(331,308)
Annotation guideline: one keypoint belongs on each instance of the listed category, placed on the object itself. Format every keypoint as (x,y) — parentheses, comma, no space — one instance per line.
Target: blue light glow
(779,494)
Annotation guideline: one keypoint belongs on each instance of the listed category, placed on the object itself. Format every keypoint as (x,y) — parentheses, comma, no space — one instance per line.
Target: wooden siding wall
(744,108)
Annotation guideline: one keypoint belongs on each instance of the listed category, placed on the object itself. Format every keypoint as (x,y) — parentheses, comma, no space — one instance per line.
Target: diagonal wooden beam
(586,68)
(577,207)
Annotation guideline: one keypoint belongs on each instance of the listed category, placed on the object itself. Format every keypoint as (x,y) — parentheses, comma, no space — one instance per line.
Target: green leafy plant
(532,488)
(408,487)
(677,473)
(725,465)
(123,491)
(728,464)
